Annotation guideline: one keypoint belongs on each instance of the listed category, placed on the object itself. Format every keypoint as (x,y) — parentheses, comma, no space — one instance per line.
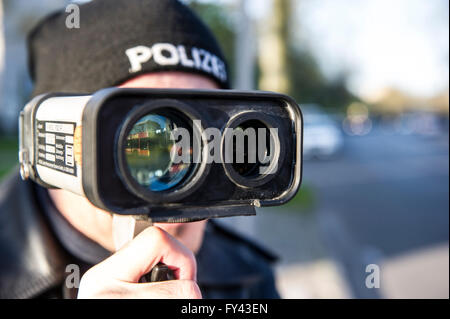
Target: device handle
(158,273)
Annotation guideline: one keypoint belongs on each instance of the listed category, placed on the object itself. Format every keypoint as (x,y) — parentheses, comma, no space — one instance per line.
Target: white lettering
(162,59)
(213,135)
(198,309)
(169,54)
(137,56)
(73,279)
(185,61)
(373,279)
(197,59)
(73,19)
(206,61)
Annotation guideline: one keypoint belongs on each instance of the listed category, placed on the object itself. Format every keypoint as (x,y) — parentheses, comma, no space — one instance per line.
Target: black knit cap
(119,40)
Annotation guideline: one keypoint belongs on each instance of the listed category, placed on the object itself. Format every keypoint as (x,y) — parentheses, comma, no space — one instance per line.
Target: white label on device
(54,143)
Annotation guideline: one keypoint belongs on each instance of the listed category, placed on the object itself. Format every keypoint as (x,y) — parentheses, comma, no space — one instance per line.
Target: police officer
(43,233)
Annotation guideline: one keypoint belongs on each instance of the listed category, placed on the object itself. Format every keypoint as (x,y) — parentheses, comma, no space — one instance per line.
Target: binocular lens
(149,152)
(251,168)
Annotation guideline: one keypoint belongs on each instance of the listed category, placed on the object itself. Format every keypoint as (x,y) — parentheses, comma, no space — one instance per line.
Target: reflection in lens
(148,153)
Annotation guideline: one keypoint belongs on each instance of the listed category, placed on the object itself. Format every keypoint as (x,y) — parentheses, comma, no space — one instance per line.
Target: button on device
(69,155)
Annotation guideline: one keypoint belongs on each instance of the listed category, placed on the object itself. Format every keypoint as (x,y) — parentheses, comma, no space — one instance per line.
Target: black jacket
(33,262)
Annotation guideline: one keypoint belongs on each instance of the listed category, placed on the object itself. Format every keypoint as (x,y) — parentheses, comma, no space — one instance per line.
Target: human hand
(118,276)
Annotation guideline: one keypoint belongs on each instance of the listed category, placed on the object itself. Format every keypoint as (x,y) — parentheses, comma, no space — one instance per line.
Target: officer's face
(190,234)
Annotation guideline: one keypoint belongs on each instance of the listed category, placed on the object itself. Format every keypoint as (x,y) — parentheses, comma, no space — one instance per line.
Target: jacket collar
(227,259)
(32,260)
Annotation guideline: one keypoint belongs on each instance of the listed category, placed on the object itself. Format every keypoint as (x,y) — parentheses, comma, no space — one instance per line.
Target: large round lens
(150,150)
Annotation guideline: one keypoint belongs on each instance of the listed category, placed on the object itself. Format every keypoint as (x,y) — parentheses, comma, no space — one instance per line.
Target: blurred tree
(245,48)
(273,53)
(288,67)
(2,49)
(19,16)
(305,75)
(309,85)
(282,66)
(392,100)
(221,24)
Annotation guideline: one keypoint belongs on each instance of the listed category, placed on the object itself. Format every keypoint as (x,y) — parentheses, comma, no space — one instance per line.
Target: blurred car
(322,137)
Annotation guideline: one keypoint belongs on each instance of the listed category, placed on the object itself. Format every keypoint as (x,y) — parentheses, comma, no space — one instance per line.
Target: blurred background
(372,78)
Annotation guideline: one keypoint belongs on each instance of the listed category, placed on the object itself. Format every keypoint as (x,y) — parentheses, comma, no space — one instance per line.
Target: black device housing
(215,192)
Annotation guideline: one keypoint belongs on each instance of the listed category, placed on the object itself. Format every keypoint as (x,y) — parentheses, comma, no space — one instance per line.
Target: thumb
(139,256)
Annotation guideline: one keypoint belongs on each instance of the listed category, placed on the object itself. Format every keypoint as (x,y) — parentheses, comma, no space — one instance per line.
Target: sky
(382,43)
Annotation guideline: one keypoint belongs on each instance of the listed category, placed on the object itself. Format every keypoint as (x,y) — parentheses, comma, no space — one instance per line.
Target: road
(386,195)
